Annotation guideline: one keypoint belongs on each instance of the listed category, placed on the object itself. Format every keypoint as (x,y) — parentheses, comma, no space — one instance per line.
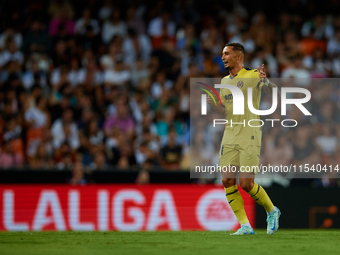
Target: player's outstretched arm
(217,108)
(268,86)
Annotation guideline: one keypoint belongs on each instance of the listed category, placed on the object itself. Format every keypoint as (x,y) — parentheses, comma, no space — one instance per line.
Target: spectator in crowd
(11,54)
(126,158)
(64,129)
(161,27)
(76,75)
(46,140)
(121,120)
(34,76)
(317,64)
(143,176)
(281,152)
(136,45)
(171,154)
(189,46)
(297,71)
(165,124)
(119,75)
(134,21)
(78,174)
(89,41)
(327,143)
(245,39)
(160,84)
(64,157)
(37,41)
(333,45)
(99,162)
(62,22)
(13,134)
(83,24)
(319,26)
(113,27)
(269,61)
(140,73)
(61,56)
(107,61)
(212,41)
(10,34)
(304,148)
(105,10)
(41,160)
(84,150)
(36,116)
(8,158)
(96,136)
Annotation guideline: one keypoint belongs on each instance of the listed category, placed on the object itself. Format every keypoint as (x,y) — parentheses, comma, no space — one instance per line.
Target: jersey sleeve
(257,83)
(222,97)
(221,94)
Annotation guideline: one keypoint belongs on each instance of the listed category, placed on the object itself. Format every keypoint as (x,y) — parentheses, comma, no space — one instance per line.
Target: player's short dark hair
(236,47)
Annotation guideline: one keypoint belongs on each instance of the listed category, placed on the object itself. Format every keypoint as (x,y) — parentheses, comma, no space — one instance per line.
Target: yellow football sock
(236,203)
(260,196)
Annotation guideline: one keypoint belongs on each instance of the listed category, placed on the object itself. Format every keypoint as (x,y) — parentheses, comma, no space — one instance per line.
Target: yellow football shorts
(246,157)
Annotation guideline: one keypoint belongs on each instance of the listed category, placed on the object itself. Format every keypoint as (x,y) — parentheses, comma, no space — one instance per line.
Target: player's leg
(233,196)
(261,197)
(235,201)
(256,191)
(250,159)
(228,162)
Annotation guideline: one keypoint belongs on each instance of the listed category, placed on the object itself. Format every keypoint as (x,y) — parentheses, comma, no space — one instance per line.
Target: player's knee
(228,182)
(246,184)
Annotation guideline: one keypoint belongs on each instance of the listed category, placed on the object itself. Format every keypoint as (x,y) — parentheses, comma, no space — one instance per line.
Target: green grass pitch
(187,242)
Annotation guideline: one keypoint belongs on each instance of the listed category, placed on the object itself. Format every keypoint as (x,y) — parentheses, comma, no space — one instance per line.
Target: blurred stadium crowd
(105,84)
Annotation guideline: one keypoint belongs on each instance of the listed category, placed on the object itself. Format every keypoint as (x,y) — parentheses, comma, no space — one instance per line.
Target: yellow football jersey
(242,133)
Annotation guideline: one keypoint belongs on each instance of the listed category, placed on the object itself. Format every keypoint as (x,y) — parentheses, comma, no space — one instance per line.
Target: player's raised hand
(262,73)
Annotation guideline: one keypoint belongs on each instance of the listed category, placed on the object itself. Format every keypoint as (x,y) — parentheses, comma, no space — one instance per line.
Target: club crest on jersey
(240,84)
